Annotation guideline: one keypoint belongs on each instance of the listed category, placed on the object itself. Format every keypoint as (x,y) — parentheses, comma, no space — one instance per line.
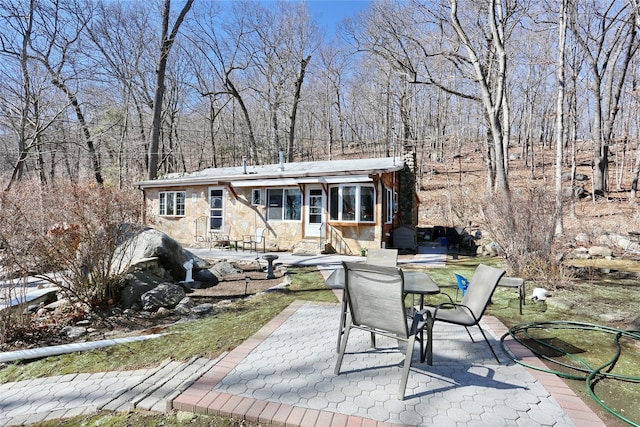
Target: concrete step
(307,247)
(157,391)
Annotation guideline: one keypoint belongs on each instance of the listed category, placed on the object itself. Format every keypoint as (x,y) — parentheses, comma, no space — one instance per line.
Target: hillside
(450,193)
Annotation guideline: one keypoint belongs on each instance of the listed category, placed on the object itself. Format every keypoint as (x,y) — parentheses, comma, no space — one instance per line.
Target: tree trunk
(165,48)
(294,109)
(562,33)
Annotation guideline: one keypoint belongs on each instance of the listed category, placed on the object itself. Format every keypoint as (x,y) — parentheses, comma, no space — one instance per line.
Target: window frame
(282,205)
(222,208)
(169,203)
(342,212)
(391,205)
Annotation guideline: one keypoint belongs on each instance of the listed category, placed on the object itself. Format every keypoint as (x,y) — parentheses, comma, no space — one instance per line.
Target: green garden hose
(528,334)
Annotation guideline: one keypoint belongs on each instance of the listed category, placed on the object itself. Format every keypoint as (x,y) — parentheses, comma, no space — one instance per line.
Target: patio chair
(382,257)
(462,284)
(471,308)
(255,240)
(376,305)
(220,237)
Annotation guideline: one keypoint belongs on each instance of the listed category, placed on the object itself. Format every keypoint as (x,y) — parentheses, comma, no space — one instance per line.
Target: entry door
(216,209)
(315,211)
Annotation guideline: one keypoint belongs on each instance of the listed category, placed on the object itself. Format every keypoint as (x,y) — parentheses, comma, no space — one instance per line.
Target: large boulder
(151,243)
(165,295)
(137,283)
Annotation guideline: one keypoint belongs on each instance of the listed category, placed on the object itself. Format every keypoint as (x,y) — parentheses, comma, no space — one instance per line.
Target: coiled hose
(583,371)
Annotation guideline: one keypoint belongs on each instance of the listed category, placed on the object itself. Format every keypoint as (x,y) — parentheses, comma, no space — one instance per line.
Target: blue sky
(331,12)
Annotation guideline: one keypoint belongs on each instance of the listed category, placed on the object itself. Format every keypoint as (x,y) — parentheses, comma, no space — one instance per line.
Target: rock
(137,284)
(582,238)
(151,243)
(224,268)
(612,317)
(73,332)
(83,323)
(202,309)
(166,295)
(163,312)
(206,278)
(600,251)
(184,307)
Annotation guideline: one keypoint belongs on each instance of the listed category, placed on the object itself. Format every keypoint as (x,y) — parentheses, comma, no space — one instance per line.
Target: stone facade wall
(242,218)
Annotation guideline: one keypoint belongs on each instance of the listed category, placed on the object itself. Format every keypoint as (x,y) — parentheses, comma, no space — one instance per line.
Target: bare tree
(166,42)
(560,116)
(607,35)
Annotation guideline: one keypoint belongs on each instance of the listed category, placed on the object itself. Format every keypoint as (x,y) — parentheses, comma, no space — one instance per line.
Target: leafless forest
(117,91)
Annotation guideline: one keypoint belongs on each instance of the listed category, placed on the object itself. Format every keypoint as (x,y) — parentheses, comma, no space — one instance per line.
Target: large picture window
(171,203)
(352,203)
(284,204)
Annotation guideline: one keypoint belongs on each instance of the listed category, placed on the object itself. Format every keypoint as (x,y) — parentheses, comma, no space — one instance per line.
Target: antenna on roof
(244,165)
(281,160)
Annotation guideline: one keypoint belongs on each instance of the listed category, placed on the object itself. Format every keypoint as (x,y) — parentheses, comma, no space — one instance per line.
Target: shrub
(522,226)
(68,235)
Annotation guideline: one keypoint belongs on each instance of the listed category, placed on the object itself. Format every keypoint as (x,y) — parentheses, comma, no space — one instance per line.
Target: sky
(331,12)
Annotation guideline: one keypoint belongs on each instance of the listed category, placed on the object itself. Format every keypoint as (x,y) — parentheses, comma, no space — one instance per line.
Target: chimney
(244,165)
(281,160)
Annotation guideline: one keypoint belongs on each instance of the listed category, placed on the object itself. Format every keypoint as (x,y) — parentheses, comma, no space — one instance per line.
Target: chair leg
(488,343)
(469,333)
(343,316)
(343,346)
(405,368)
(428,351)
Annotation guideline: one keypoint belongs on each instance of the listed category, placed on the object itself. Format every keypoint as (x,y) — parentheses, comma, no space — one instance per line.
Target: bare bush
(68,235)
(522,227)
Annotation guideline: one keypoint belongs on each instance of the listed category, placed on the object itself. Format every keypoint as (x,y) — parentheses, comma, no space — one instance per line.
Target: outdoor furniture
(385,257)
(462,284)
(470,310)
(515,282)
(382,257)
(220,237)
(376,305)
(255,240)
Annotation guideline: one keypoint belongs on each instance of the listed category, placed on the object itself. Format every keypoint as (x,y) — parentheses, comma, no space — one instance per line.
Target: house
(330,206)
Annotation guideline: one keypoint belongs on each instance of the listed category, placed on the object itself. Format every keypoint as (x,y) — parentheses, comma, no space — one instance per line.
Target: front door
(216,209)
(315,211)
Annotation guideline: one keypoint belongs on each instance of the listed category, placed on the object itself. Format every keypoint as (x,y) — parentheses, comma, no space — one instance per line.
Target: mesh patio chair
(471,308)
(255,240)
(382,257)
(376,305)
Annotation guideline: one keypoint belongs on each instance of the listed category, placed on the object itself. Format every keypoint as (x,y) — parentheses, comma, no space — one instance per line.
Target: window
(355,203)
(256,197)
(284,204)
(391,203)
(216,208)
(172,203)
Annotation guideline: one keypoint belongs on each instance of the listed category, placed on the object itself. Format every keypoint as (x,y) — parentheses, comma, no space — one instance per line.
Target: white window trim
(284,191)
(391,205)
(175,203)
(357,219)
(223,208)
(257,197)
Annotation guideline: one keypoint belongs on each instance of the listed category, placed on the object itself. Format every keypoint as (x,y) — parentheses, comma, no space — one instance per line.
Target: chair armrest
(454,306)
(420,316)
